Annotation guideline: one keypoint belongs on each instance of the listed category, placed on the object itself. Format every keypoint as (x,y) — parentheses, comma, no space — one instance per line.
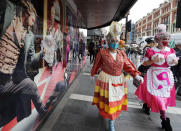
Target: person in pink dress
(158,91)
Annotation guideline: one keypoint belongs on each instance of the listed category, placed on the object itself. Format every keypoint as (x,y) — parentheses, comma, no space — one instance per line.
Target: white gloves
(159,59)
(172,60)
(139,78)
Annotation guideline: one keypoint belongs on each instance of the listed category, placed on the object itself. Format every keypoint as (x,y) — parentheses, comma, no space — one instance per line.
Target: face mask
(165,43)
(113,45)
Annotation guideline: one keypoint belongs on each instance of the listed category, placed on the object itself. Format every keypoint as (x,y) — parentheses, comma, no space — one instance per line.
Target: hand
(174,62)
(139,78)
(156,59)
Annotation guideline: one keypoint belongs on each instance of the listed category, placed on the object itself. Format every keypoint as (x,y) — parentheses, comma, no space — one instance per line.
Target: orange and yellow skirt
(110,95)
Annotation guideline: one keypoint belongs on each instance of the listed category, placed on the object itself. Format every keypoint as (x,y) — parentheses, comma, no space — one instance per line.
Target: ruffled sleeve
(129,67)
(97,64)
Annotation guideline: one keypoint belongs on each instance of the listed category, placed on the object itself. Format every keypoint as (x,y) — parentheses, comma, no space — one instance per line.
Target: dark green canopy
(100,13)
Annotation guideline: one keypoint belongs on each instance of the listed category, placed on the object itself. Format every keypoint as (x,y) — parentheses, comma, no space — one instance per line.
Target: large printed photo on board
(33,76)
(21,57)
(18,62)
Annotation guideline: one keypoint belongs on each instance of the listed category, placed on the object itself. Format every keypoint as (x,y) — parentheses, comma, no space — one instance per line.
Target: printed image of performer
(59,41)
(54,30)
(50,45)
(158,90)
(17,58)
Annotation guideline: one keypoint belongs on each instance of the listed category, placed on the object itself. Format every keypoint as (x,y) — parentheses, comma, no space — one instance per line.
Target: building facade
(165,14)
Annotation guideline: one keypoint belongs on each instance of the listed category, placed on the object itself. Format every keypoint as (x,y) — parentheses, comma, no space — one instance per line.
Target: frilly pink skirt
(156,103)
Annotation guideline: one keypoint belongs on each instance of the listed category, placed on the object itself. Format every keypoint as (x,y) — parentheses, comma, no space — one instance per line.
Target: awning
(100,13)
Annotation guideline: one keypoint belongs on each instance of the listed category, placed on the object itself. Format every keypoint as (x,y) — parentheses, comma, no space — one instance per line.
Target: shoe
(38,104)
(50,101)
(111,125)
(146,109)
(43,113)
(47,105)
(166,124)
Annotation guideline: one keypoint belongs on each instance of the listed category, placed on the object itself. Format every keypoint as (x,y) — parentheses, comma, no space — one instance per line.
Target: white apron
(160,81)
(116,88)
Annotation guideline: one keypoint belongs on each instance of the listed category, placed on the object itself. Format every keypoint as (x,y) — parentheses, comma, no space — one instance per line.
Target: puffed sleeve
(97,64)
(129,67)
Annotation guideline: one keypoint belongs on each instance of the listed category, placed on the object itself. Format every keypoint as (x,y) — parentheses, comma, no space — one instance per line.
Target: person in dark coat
(81,49)
(92,52)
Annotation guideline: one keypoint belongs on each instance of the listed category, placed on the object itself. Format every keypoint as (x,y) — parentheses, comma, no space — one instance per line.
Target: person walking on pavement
(92,51)
(110,93)
(81,50)
(98,47)
(158,91)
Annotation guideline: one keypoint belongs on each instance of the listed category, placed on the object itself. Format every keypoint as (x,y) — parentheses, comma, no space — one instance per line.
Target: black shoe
(146,109)
(38,103)
(166,124)
(42,113)
(49,102)
(47,105)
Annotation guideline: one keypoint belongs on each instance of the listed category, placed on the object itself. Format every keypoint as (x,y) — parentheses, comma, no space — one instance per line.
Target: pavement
(75,111)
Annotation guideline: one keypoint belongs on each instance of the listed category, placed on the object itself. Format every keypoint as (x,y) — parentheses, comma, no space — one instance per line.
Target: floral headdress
(114,30)
(162,34)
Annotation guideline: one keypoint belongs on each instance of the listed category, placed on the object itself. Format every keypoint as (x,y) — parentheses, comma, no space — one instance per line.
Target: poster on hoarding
(26,89)
(18,63)
(32,76)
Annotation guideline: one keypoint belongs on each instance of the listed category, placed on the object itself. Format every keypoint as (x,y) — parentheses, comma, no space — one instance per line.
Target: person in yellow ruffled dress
(110,93)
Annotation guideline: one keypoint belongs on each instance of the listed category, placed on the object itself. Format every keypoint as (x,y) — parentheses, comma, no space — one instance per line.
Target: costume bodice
(106,62)
(152,52)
